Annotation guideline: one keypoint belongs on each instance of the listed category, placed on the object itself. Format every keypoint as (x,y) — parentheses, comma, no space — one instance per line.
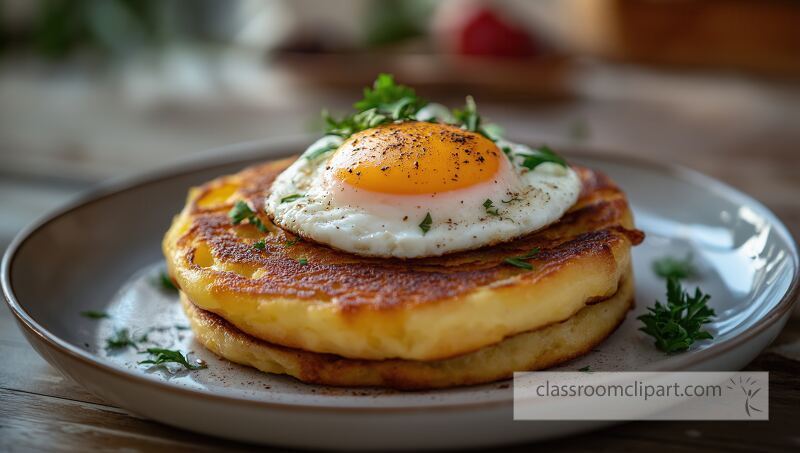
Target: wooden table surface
(742,131)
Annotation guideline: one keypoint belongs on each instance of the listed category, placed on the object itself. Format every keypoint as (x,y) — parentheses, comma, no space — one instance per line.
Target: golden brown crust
(598,223)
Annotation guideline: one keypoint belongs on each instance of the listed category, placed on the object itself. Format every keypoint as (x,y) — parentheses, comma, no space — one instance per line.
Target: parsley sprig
(386,102)
(425,225)
(241,211)
(469,119)
(292,197)
(520,261)
(390,98)
(119,340)
(672,267)
(541,155)
(161,356)
(95,314)
(490,208)
(676,325)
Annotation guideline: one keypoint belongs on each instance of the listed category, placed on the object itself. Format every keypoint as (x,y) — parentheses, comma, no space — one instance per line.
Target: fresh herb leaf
(260,244)
(351,124)
(585,369)
(291,242)
(120,339)
(385,102)
(519,261)
(166,282)
(491,209)
(292,197)
(672,267)
(425,225)
(160,356)
(541,155)
(468,117)
(302,261)
(678,324)
(390,98)
(94,314)
(510,200)
(241,211)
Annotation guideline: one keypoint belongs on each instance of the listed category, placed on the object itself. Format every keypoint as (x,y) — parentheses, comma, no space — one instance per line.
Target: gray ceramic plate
(103,253)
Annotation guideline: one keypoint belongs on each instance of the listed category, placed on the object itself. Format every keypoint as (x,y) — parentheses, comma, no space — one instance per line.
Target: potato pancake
(278,288)
(533,350)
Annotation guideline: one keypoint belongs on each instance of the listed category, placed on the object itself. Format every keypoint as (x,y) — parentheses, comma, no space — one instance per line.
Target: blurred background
(96,89)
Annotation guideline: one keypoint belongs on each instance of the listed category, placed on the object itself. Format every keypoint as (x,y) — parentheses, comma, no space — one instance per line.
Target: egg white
(386,225)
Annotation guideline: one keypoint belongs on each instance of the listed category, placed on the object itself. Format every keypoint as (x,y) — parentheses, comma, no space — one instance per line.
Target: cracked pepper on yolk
(415,158)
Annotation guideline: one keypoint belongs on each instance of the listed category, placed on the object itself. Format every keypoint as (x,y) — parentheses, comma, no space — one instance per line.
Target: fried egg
(416,189)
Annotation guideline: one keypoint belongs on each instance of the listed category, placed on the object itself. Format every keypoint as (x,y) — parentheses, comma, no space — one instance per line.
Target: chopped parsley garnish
(541,155)
(469,119)
(425,225)
(292,197)
(260,244)
(519,261)
(351,124)
(385,102)
(678,324)
(291,242)
(120,339)
(585,369)
(166,282)
(510,200)
(95,314)
(390,98)
(241,211)
(491,209)
(160,356)
(302,261)
(672,267)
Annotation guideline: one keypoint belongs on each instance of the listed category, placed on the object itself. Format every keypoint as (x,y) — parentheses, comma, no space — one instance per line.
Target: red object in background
(484,32)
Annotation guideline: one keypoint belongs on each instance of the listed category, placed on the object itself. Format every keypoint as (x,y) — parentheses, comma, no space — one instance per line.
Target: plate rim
(241,152)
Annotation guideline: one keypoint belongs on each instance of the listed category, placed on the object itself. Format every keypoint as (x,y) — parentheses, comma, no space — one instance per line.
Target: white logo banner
(587,395)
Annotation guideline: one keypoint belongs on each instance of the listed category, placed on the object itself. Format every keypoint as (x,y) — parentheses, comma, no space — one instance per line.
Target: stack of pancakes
(329,317)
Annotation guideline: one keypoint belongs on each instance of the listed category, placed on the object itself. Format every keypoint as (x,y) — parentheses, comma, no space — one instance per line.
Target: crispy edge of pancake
(570,272)
(534,350)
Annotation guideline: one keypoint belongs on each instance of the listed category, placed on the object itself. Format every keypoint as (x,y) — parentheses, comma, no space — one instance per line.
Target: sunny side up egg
(416,189)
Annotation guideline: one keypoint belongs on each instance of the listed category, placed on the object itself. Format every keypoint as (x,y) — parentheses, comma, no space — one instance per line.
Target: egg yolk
(415,158)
